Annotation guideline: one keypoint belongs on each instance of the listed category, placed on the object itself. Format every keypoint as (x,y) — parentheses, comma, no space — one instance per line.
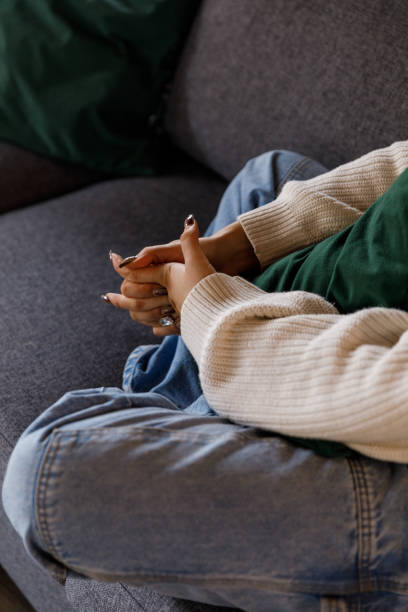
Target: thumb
(192,251)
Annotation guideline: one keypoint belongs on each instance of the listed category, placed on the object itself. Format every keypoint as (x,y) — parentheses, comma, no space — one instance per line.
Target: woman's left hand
(177,278)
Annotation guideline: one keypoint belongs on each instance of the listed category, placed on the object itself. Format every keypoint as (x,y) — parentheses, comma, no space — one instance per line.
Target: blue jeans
(147,485)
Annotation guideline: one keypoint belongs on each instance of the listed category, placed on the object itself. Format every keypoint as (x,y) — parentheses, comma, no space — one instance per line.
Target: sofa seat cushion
(57,334)
(92,596)
(324,78)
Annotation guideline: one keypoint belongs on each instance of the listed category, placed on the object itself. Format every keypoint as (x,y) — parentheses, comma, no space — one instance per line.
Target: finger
(153,274)
(125,272)
(137,305)
(149,320)
(192,251)
(147,317)
(154,255)
(160,332)
(170,329)
(116,260)
(144,290)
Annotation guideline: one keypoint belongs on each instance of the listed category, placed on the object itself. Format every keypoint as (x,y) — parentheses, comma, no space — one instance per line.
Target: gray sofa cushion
(323,77)
(57,334)
(86,595)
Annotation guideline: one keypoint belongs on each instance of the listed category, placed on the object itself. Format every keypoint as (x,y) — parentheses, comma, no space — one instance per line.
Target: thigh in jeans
(125,487)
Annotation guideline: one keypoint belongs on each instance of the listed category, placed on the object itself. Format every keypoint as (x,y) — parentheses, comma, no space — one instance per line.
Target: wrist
(233,251)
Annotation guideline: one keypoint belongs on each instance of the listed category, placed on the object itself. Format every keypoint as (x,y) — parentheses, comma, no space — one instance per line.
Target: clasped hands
(175,268)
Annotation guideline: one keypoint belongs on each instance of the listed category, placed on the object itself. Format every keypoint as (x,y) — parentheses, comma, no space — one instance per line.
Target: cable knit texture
(289,362)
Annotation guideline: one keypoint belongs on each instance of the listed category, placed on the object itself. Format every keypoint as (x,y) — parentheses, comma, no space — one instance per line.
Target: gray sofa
(325,78)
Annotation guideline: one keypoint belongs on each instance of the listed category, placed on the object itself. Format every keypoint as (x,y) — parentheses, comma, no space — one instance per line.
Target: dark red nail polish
(105,299)
(189,221)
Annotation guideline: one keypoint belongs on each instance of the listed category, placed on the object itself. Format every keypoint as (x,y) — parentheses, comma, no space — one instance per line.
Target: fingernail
(189,221)
(160,291)
(167,310)
(113,256)
(127,261)
(105,299)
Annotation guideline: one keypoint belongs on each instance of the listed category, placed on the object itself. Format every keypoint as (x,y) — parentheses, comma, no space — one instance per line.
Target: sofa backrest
(326,78)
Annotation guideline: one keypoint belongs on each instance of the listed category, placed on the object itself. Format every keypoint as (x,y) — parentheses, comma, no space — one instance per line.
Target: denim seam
(130,368)
(127,375)
(351,589)
(289,171)
(368,519)
(154,432)
(130,373)
(364,521)
(43,479)
(334,604)
(266,583)
(297,167)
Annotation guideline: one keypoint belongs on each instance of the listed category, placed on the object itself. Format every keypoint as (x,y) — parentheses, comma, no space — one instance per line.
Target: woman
(181,480)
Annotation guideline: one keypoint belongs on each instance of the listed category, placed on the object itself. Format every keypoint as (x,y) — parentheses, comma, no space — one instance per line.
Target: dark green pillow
(83,80)
(364,265)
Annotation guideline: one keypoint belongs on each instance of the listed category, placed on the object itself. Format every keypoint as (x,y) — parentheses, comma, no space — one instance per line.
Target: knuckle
(138,304)
(126,291)
(166,274)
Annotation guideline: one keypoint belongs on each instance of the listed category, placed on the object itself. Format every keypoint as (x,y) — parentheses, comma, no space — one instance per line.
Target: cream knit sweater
(289,362)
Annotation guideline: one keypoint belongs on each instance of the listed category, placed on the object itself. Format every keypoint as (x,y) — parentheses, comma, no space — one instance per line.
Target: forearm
(230,251)
(306,212)
(288,362)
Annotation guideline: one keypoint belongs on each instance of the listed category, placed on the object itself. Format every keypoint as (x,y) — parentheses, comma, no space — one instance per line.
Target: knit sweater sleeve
(308,211)
(289,363)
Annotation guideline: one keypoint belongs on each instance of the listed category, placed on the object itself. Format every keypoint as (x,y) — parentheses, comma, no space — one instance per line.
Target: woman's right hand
(228,250)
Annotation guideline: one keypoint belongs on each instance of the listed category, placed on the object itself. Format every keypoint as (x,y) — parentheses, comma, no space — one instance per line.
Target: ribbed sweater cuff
(392,452)
(272,230)
(209,299)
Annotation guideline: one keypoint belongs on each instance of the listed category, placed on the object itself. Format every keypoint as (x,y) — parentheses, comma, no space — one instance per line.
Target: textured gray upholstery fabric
(57,334)
(26,177)
(325,78)
(88,595)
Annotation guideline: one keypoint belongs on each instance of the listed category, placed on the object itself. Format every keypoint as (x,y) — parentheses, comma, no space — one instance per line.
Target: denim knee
(275,168)
(19,493)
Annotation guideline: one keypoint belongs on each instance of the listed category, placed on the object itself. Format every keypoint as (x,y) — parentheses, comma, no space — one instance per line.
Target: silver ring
(166,321)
